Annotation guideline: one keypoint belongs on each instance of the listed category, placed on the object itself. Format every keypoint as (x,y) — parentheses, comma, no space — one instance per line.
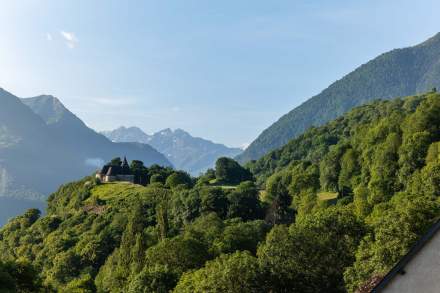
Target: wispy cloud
(49,37)
(70,39)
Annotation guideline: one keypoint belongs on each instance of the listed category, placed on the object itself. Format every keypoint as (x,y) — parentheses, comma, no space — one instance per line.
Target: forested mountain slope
(29,157)
(352,195)
(186,152)
(398,73)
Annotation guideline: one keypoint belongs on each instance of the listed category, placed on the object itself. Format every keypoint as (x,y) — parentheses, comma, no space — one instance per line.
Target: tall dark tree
(116,161)
(229,171)
(244,202)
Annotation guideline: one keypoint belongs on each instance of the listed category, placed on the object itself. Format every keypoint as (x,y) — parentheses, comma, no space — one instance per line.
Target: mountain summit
(192,154)
(43,144)
(400,72)
(49,108)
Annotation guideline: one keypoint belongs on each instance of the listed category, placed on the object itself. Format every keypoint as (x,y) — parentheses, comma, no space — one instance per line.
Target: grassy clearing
(215,183)
(116,190)
(327,195)
(227,186)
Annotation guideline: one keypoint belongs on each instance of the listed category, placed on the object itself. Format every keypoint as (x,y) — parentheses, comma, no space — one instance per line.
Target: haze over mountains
(185,152)
(400,72)
(43,145)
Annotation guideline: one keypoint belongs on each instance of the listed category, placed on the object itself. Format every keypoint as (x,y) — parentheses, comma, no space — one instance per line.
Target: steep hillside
(398,73)
(373,121)
(43,145)
(192,154)
(354,195)
(94,147)
(29,157)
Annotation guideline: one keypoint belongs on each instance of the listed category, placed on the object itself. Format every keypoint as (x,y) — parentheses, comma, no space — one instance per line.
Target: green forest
(330,211)
(397,73)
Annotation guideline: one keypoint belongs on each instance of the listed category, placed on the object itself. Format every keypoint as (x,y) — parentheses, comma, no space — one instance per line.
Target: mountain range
(192,154)
(400,72)
(42,145)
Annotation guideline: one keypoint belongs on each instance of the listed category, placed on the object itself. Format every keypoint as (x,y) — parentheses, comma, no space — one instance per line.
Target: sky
(222,70)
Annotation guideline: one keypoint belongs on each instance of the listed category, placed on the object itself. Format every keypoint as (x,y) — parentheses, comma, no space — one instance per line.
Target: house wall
(109,178)
(129,178)
(421,273)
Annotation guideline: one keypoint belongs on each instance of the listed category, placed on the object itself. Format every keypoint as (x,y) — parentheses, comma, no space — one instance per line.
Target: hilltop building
(116,172)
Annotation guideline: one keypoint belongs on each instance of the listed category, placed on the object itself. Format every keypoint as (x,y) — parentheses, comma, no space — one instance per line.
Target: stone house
(113,173)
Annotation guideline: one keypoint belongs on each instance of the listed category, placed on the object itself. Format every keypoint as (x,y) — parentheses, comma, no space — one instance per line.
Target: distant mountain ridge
(192,154)
(400,72)
(43,145)
(49,108)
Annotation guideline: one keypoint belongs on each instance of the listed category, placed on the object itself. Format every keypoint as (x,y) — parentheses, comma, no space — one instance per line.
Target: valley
(119,165)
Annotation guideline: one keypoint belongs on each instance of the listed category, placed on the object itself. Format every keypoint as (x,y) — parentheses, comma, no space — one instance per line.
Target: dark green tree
(19,277)
(116,161)
(178,178)
(311,255)
(213,199)
(159,279)
(235,273)
(228,171)
(244,202)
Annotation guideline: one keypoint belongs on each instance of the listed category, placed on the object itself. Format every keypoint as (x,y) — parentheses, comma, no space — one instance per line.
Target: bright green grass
(214,182)
(117,190)
(227,186)
(327,195)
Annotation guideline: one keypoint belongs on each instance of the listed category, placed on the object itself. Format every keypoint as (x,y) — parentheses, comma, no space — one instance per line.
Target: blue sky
(223,70)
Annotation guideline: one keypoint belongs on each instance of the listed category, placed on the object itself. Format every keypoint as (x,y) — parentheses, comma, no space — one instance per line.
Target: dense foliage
(229,171)
(332,209)
(19,277)
(397,73)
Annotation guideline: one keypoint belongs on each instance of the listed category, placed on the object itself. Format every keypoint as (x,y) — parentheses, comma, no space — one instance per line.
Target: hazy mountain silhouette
(186,152)
(43,145)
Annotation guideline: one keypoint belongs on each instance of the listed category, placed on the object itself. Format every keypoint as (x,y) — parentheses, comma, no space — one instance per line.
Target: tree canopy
(328,212)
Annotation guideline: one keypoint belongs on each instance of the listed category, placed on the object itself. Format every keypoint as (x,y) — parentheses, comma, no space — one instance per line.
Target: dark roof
(104,170)
(125,163)
(125,167)
(399,267)
(114,170)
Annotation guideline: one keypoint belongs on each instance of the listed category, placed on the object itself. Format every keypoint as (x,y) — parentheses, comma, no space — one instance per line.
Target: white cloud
(70,38)
(49,37)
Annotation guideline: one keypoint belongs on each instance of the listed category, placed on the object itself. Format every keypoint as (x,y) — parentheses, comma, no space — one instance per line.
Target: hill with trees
(331,211)
(398,73)
(43,145)
(186,152)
